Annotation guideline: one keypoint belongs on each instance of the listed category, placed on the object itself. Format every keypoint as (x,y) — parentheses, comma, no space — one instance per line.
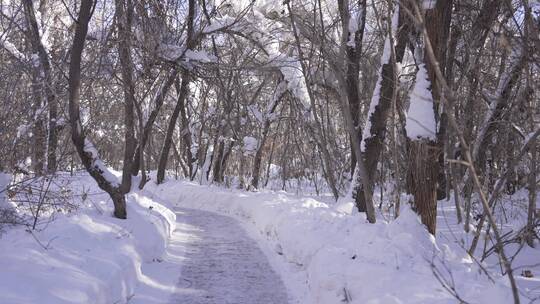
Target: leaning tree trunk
(280,91)
(379,110)
(147,128)
(164,156)
(86,151)
(182,96)
(354,49)
(375,142)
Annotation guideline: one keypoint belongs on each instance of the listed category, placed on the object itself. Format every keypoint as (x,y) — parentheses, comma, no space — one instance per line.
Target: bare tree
(85,149)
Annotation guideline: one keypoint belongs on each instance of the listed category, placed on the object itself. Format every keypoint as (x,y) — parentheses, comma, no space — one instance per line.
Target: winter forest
(269,151)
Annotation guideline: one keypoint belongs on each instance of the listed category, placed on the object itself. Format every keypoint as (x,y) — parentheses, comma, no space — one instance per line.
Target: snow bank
(5,179)
(333,257)
(87,257)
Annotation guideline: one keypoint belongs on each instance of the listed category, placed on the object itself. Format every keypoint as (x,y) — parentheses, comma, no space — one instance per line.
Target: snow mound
(328,256)
(87,257)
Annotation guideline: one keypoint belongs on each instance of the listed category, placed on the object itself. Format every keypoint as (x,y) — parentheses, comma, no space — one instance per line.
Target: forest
(339,122)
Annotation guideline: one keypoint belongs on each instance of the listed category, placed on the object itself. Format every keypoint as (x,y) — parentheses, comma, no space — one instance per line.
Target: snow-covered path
(212,261)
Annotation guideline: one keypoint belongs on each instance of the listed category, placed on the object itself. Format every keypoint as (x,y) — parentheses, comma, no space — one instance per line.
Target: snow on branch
(420,121)
(375,98)
(97,163)
(12,49)
(219,24)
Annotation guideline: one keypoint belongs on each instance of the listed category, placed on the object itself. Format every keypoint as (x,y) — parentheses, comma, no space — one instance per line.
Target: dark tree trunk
(90,161)
(438,31)
(147,129)
(280,91)
(186,136)
(375,143)
(39,132)
(424,154)
(255,175)
(182,96)
(164,155)
(218,162)
(353,69)
(422,180)
(124,14)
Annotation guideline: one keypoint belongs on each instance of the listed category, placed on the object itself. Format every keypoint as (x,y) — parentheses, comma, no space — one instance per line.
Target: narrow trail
(223,265)
(210,260)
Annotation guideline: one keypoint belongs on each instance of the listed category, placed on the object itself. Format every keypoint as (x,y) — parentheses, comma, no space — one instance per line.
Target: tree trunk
(186,136)
(424,154)
(38,128)
(531,213)
(353,52)
(164,155)
(124,19)
(438,33)
(422,181)
(182,95)
(42,85)
(87,153)
(278,94)
(374,144)
(375,129)
(147,129)
(218,162)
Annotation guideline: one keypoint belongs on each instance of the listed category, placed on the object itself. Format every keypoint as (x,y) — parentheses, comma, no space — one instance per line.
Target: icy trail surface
(216,262)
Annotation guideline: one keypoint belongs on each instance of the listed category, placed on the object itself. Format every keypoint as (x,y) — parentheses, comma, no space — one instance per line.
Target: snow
(353,28)
(420,121)
(219,23)
(263,245)
(98,164)
(429,4)
(291,70)
(200,56)
(173,52)
(326,255)
(250,144)
(170,52)
(12,49)
(22,130)
(385,59)
(86,257)
(5,179)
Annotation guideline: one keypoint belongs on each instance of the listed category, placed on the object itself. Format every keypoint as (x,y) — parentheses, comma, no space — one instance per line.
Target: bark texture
(422,182)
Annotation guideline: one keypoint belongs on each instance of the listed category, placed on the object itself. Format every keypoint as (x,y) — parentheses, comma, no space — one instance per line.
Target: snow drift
(327,256)
(87,257)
